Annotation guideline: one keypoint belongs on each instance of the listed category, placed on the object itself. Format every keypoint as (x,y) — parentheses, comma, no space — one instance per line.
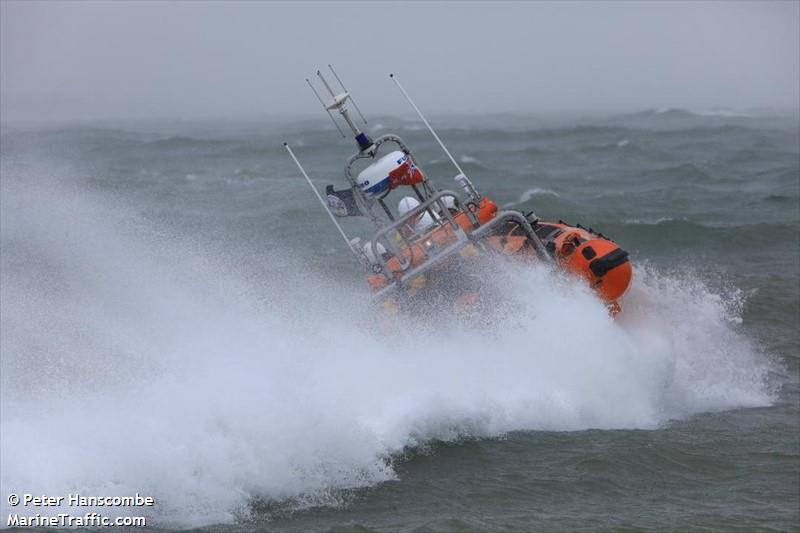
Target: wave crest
(172,378)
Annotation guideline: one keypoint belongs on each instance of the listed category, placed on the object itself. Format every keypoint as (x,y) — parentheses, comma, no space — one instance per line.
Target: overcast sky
(66,60)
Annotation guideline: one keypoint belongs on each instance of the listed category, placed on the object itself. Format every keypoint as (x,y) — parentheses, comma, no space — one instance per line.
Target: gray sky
(67,60)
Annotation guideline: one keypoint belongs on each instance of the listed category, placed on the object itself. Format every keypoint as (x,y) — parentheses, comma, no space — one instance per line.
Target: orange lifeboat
(433,235)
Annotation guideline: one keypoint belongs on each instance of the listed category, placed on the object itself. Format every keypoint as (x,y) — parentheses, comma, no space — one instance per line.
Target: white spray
(132,364)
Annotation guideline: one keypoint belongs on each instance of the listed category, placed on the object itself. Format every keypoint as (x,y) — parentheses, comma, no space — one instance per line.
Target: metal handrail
(363,202)
(383,233)
(500,218)
(503,216)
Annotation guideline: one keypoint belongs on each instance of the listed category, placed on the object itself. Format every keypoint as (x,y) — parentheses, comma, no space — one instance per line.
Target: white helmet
(370,255)
(425,221)
(406,204)
(449,202)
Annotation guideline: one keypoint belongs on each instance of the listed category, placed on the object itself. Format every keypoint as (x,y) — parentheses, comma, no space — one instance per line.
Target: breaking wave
(532,193)
(162,373)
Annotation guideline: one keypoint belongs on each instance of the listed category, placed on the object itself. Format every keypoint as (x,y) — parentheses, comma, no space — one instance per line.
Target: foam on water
(133,363)
(532,193)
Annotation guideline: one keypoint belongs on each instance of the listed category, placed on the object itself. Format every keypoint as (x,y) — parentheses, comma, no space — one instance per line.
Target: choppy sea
(180,319)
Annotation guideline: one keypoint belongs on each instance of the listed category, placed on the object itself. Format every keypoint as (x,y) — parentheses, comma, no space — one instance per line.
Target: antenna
(338,102)
(328,111)
(319,197)
(325,83)
(348,92)
(446,151)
